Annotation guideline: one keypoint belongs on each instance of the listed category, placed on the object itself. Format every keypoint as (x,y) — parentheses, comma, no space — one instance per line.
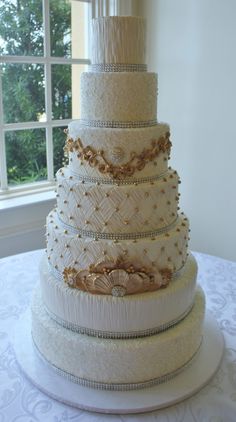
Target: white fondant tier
(114,360)
(128,316)
(122,96)
(67,248)
(119,145)
(118,40)
(117,209)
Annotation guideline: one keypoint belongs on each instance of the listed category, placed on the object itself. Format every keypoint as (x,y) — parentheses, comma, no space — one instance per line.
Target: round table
(20,401)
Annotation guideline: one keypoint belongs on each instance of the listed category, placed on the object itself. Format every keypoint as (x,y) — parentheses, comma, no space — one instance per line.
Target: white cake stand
(185,384)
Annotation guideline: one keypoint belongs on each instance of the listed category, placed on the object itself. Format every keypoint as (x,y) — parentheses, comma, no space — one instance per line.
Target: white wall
(192,46)
(22,222)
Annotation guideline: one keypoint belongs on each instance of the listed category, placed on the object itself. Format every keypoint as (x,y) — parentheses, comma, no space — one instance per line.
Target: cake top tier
(118,40)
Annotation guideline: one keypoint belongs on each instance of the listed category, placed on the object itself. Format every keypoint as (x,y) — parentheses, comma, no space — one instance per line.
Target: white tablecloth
(20,401)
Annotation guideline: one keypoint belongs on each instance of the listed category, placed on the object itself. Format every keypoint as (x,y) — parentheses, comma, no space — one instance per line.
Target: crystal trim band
(98,180)
(116,236)
(114,124)
(116,335)
(117,67)
(115,387)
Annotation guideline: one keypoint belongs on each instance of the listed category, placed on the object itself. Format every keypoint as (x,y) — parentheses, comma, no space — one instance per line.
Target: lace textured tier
(119,96)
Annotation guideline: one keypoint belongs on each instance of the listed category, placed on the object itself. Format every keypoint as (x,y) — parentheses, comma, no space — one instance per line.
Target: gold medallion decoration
(136,162)
(118,278)
(117,154)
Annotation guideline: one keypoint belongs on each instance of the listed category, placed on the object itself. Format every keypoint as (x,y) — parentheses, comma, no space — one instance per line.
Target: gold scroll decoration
(136,162)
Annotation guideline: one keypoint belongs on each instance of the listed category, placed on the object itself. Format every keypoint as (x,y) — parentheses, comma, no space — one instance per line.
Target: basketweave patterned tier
(129,208)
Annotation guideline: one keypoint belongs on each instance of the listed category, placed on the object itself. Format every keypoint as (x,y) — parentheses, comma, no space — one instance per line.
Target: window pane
(26,156)
(59,139)
(23,92)
(61,91)
(60,26)
(21,27)
(65,80)
(67,25)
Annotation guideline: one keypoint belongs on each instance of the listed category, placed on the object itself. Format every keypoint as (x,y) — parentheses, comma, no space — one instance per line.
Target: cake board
(195,376)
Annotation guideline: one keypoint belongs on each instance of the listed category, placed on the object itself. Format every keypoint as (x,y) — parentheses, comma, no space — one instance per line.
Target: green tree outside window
(21,34)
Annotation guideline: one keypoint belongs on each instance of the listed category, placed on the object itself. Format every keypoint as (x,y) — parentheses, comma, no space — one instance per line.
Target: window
(43,50)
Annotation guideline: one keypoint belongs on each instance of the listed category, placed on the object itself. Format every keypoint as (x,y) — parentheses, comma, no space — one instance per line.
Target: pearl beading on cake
(116,236)
(117,124)
(117,335)
(98,180)
(117,67)
(115,387)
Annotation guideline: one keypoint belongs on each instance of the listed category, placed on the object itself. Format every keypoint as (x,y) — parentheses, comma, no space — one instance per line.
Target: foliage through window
(39,67)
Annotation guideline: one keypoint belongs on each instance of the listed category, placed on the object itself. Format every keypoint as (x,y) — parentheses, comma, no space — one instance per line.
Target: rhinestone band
(98,180)
(116,335)
(115,387)
(115,124)
(116,236)
(117,67)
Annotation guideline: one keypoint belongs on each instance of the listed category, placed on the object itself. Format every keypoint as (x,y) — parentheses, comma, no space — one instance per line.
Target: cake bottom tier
(117,363)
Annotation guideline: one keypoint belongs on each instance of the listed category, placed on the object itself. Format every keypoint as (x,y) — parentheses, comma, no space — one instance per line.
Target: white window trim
(98,8)
(23,211)
(47,60)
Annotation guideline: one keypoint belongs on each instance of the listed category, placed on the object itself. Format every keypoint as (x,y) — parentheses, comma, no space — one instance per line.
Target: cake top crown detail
(118,40)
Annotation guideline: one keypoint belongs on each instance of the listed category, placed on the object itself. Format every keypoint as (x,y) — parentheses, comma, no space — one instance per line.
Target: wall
(22,222)
(191,44)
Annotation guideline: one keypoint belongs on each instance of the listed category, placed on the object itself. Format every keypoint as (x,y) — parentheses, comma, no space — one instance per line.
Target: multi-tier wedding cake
(118,306)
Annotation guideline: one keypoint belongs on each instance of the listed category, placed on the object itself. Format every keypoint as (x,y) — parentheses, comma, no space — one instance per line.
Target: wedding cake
(118,306)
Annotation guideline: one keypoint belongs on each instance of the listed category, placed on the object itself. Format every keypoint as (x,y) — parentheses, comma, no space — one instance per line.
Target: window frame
(47,61)
(95,9)
(23,209)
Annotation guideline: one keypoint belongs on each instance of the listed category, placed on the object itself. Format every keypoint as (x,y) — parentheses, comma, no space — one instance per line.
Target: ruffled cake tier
(117,39)
(119,317)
